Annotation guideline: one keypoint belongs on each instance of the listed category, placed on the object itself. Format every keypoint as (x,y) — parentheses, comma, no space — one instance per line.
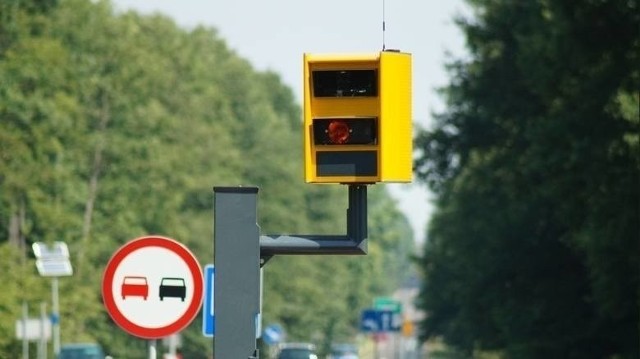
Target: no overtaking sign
(152,287)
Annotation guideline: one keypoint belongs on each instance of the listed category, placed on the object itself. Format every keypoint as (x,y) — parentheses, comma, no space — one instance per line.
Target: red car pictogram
(134,286)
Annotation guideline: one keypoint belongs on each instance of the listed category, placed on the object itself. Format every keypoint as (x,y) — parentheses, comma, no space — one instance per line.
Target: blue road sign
(273,334)
(379,321)
(208,316)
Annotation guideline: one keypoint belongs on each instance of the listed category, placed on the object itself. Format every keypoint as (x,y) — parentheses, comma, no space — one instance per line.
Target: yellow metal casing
(389,157)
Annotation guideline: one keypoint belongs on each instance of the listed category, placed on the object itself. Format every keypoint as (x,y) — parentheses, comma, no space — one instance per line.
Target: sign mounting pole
(237,265)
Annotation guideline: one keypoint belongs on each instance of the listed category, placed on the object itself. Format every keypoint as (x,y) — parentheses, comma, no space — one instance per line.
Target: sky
(273,35)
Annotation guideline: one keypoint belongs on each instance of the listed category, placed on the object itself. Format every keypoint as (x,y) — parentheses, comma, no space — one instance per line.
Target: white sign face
(31,329)
(54,267)
(52,261)
(152,287)
(58,250)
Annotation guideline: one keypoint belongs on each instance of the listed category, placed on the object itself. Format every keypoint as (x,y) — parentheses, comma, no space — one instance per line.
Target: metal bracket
(354,242)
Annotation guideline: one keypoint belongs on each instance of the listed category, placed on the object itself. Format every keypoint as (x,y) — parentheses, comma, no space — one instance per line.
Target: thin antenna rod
(383,26)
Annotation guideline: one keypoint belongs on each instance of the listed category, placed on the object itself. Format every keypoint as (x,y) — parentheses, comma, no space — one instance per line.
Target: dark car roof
(298,345)
(296,350)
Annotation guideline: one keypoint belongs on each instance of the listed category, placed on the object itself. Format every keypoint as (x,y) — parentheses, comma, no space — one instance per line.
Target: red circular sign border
(107,283)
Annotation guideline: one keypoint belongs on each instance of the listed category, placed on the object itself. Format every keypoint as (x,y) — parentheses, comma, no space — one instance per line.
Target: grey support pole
(25,341)
(56,317)
(152,349)
(42,344)
(240,251)
(237,261)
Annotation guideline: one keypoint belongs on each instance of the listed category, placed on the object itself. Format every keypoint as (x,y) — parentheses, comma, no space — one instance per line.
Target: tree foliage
(535,249)
(114,126)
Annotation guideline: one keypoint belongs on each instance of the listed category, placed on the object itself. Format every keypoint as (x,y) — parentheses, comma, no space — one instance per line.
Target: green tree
(534,248)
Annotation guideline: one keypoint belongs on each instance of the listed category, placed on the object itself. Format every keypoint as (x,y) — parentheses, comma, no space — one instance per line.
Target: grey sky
(274,34)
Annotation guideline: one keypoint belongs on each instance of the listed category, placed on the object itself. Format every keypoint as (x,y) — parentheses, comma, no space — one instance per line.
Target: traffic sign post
(53,261)
(379,322)
(393,306)
(152,287)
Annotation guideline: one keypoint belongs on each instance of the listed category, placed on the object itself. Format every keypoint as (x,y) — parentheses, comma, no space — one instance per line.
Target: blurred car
(81,351)
(297,351)
(343,351)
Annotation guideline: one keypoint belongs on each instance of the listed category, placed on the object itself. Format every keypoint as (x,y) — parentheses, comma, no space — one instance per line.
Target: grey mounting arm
(354,242)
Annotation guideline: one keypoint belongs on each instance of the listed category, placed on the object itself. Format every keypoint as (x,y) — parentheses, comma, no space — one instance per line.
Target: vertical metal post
(237,261)
(357,214)
(25,341)
(173,345)
(55,325)
(42,345)
(152,349)
(376,348)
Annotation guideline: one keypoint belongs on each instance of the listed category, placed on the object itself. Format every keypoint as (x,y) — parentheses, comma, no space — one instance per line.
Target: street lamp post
(53,262)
